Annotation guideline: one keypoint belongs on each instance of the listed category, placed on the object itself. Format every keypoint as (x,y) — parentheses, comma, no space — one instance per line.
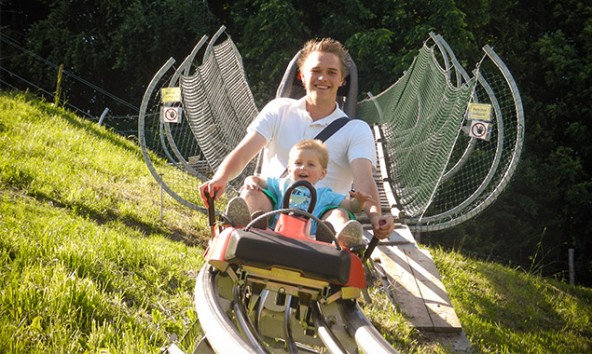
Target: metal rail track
(233,326)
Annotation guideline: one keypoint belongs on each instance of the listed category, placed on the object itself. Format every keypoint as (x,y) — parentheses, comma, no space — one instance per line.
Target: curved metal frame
(142,138)
(185,66)
(424,225)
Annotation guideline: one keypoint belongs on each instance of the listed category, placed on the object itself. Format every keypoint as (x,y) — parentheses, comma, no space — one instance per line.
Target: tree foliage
(116,45)
(119,45)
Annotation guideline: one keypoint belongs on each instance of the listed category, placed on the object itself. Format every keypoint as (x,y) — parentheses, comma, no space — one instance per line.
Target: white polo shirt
(283,122)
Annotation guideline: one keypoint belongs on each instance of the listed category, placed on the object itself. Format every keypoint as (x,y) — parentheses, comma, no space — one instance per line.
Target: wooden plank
(402,232)
(400,236)
(432,290)
(415,283)
(409,299)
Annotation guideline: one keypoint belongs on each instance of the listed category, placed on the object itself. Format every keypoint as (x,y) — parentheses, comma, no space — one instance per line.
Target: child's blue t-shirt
(300,198)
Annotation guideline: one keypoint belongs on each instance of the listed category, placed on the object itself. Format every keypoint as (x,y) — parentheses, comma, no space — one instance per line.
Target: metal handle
(370,249)
(311,188)
(211,213)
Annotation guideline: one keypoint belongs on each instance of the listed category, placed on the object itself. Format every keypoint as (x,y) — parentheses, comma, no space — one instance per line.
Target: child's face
(305,165)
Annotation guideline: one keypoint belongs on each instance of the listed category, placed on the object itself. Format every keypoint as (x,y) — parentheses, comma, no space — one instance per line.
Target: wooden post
(161,203)
(58,92)
(572,271)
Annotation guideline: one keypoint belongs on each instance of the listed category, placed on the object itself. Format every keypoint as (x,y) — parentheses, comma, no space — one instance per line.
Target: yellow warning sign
(170,94)
(480,111)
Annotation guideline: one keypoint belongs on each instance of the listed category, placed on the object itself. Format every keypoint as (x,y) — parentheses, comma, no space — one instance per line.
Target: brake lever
(371,245)
(211,214)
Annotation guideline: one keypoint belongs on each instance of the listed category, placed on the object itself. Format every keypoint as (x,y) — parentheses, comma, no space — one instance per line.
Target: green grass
(508,311)
(87,264)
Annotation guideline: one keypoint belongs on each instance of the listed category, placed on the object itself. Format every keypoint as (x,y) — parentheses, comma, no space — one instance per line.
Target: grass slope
(88,265)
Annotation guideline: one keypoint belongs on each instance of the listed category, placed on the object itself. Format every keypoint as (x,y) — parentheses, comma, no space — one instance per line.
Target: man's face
(322,76)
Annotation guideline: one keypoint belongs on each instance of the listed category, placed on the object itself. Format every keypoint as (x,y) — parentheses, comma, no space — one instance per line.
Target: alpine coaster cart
(448,143)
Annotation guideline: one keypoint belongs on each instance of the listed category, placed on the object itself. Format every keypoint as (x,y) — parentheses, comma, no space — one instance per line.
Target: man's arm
(232,165)
(382,225)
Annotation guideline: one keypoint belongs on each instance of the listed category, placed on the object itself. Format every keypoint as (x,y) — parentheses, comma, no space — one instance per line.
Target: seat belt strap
(332,128)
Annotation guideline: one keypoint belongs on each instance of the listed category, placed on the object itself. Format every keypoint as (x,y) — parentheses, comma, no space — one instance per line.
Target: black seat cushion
(314,260)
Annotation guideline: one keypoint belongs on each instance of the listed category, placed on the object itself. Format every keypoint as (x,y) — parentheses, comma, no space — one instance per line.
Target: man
(283,122)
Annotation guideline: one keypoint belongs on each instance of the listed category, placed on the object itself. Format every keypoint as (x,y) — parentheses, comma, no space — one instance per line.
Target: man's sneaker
(238,212)
(351,235)
(323,234)
(261,223)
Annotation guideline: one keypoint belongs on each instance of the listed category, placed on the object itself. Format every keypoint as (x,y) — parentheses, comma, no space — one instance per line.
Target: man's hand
(382,225)
(232,165)
(214,187)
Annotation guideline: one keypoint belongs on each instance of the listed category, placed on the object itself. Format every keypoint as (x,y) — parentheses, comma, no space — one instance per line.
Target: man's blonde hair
(315,145)
(325,45)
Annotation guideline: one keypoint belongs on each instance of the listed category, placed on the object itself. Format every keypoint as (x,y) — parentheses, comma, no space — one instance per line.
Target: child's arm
(356,202)
(254,182)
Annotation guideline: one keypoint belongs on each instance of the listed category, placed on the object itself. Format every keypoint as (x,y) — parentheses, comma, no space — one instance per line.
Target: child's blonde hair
(315,145)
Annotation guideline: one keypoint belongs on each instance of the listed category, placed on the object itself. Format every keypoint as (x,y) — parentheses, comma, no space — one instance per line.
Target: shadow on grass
(147,229)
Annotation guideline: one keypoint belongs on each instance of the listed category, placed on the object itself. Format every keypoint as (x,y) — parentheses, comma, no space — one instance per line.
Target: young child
(308,161)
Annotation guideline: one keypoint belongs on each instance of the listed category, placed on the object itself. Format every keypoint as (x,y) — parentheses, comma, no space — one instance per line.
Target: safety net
(420,117)
(218,103)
